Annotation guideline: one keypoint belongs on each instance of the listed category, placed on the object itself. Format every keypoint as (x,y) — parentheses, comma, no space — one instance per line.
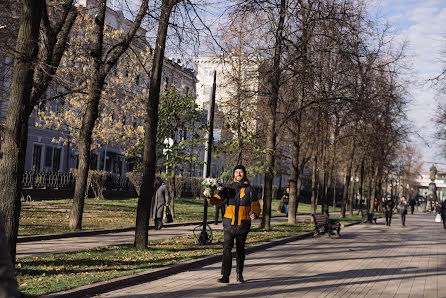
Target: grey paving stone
(368,261)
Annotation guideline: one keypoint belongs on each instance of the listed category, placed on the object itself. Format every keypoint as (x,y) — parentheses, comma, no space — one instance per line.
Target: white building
(440,181)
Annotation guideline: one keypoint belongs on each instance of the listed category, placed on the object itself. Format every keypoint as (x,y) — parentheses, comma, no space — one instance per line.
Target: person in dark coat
(402,209)
(412,204)
(388,210)
(160,200)
(219,208)
(443,213)
(286,200)
(242,207)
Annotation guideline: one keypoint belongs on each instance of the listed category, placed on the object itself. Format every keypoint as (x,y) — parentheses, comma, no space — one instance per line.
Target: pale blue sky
(423,25)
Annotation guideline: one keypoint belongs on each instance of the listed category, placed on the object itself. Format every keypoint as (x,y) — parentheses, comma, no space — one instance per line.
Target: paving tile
(368,261)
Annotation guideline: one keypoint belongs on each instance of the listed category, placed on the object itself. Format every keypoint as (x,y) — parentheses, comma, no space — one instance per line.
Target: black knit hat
(240,167)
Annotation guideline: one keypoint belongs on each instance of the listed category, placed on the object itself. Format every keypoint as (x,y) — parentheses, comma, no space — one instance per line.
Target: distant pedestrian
(243,207)
(286,200)
(160,200)
(219,208)
(402,209)
(388,210)
(437,207)
(412,204)
(443,213)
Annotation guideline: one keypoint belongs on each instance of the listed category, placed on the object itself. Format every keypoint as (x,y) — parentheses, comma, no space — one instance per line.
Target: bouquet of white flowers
(209,184)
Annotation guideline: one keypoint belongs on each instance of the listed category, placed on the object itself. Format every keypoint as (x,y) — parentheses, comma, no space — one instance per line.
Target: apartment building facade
(44,151)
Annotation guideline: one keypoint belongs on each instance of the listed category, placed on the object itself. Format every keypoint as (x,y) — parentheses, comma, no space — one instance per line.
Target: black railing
(57,180)
(47,180)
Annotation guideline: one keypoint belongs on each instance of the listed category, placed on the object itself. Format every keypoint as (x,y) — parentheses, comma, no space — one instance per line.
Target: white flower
(208,185)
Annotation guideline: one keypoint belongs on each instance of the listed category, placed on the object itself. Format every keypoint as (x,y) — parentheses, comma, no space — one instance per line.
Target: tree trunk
(348,175)
(361,184)
(151,128)
(84,147)
(16,125)
(271,122)
(8,284)
(174,196)
(333,161)
(314,186)
(294,174)
(97,78)
(374,190)
(99,71)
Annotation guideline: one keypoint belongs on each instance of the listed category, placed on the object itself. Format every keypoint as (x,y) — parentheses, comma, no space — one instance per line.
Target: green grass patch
(52,216)
(57,272)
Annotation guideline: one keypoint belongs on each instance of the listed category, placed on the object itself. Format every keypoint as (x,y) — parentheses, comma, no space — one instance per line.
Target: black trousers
(388,218)
(218,209)
(403,218)
(228,244)
(412,208)
(158,223)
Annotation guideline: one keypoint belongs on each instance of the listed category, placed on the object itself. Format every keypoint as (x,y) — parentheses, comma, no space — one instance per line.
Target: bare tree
(39,47)
(151,127)
(101,62)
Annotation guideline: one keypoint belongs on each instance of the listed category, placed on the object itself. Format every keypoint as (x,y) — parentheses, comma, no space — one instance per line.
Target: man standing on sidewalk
(243,206)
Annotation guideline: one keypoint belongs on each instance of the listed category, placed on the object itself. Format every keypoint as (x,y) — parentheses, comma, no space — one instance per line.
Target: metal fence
(57,180)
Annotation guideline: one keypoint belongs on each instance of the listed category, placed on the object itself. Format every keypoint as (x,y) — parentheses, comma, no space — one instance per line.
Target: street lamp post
(169,143)
(391,187)
(204,238)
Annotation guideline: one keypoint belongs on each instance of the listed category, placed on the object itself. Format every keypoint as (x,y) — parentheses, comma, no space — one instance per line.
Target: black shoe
(240,277)
(224,280)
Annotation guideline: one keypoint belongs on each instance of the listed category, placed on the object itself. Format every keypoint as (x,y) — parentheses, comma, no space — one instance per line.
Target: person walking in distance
(286,200)
(160,200)
(388,209)
(412,204)
(402,209)
(242,207)
(443,213)
(219,208)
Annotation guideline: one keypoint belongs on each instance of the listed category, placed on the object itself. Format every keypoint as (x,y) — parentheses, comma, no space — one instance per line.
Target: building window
(48,156)
(56,159)
(94,161)
(207,89)
(208,71)
(37,153)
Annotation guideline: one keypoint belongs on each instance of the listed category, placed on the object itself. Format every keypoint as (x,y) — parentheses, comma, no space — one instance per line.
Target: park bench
(367,216)
(323,224)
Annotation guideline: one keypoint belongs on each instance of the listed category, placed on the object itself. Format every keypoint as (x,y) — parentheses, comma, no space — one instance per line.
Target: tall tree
(101,62)
(36,61)
(151,127)
(273,100)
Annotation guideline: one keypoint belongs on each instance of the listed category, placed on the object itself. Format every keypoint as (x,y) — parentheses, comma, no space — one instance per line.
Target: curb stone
(153,274)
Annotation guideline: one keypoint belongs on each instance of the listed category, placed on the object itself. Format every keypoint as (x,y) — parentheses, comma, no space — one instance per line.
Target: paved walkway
(33,248)
(367,261)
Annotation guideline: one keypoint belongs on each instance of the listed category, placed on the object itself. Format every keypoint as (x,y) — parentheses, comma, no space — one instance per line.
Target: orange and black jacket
(241,202)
